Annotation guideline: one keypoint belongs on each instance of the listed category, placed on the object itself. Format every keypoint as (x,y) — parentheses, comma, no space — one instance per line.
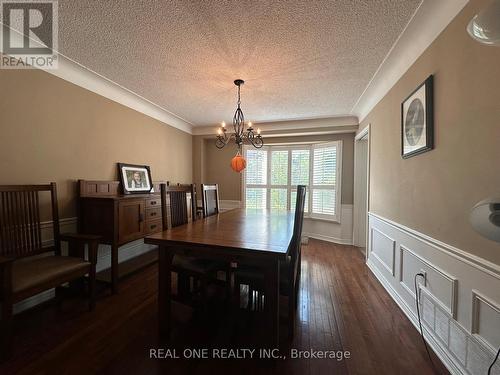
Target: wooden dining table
(245,236)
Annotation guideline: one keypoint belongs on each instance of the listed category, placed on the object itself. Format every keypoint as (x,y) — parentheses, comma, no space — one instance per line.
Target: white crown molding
(429,20)
(79,75)
(76,73)
(328,125)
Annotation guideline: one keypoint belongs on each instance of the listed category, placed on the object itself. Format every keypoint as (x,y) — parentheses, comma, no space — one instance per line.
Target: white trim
(78,74)
(392,267)
(431,339)
(362,136)
(86,78)
(478,298)
(452,309)
(473,260)
(302,125)
(322,237)
(426,24)
(365,132)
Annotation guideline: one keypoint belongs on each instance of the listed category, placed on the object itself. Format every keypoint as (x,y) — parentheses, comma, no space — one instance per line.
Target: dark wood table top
(260,232)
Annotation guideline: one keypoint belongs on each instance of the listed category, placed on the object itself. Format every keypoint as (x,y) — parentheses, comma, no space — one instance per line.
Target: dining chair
(179,208)
(210,199)
(289,270)
(28,264)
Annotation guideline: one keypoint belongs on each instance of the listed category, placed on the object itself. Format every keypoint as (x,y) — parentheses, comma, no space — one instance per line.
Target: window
(273,173)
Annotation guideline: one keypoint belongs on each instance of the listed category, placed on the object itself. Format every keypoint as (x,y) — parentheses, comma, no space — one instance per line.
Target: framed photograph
(135,179)
(417,120)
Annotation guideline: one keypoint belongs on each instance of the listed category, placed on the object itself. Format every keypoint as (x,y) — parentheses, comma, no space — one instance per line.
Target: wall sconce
(485,26)
(485,218)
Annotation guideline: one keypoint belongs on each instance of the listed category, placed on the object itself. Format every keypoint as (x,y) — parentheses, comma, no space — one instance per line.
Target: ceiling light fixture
(240,136)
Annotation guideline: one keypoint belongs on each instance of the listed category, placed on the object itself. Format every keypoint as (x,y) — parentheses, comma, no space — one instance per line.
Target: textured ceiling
(299,59)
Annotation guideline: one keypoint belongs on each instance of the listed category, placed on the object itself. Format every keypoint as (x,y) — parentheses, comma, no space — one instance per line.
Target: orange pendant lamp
(238,163)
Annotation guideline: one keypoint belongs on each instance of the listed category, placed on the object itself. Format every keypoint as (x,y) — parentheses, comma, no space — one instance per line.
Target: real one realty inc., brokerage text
(225,353)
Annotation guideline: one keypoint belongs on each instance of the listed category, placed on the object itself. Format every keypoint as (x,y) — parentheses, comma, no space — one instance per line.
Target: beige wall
(434,192)
(52,130)
(212,165)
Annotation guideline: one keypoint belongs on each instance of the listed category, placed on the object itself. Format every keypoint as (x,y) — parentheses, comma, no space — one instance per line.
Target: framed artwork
(135,179)
(417,120)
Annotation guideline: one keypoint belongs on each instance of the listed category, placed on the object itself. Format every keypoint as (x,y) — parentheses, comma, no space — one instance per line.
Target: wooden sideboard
(118,218)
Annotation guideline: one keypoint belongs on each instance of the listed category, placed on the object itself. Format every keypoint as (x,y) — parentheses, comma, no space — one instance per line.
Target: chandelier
(240,136)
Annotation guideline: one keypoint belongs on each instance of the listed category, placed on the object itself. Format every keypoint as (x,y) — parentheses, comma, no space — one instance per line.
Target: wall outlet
(423,282)
(423,272)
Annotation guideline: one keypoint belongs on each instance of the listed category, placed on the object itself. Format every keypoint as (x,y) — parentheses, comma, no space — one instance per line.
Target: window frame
(289,187)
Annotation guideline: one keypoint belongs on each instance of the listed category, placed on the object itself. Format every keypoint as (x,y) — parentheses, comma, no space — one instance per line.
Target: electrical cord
(492,363)
(417,302)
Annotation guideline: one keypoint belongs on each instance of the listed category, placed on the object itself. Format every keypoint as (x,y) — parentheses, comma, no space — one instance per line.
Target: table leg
(114,268)
(164,290)
(271,302)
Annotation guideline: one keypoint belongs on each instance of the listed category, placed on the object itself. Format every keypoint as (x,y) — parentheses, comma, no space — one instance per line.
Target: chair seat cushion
(40,272)
(197,265)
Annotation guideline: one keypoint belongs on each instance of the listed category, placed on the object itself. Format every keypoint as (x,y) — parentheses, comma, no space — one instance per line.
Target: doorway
(361,188)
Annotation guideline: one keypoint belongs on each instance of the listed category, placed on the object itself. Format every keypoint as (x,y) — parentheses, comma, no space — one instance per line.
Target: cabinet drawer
(153,213)
(153,226)
(153,202)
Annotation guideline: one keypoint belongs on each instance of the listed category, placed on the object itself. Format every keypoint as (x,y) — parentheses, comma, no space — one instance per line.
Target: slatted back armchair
(28,263)
(295,251)
(178,205)
(210,199)
(20,225)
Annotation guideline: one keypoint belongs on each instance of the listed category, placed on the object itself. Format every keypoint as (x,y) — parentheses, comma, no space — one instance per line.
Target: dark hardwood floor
(342,307)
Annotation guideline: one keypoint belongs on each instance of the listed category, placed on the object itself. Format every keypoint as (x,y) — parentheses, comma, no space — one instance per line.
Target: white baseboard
(462,325)
(341,241)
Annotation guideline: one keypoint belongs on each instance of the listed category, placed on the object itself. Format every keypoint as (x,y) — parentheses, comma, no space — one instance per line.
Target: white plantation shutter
(324,165)
(279,167)
(278,199)
(256,198)
(256,178)
(273,173)
(293,200)
(324,180)
(256,171)
(300,167)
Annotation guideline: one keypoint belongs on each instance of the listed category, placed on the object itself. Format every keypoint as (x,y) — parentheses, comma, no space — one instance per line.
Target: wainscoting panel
(331,231)
(441,286)
(383,249)
(459,298)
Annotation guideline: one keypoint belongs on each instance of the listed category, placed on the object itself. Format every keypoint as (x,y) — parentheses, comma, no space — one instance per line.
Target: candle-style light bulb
(258,131)
(250,125)
(223,124)
(219,131)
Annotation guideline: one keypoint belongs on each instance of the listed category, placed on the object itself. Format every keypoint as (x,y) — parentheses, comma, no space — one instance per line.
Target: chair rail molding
(459,295)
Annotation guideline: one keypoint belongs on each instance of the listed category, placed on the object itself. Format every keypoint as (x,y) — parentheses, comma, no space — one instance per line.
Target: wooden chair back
(297,230)
(20,225)
(210,199)
(178,205)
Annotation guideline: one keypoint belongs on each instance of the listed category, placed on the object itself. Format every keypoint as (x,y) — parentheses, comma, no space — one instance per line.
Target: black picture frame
(408,150)
(126,172)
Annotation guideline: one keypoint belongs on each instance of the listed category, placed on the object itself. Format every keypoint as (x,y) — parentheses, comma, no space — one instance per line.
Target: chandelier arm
(240,136)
